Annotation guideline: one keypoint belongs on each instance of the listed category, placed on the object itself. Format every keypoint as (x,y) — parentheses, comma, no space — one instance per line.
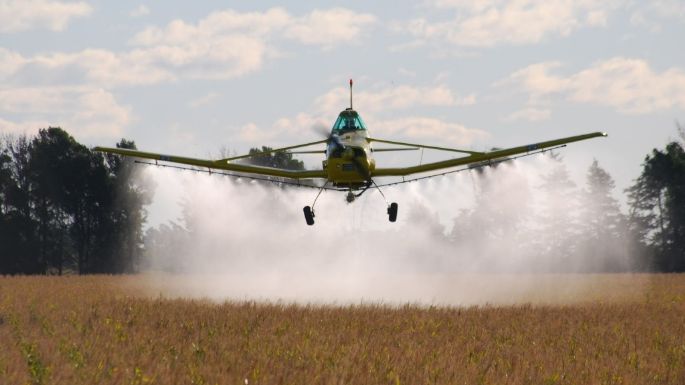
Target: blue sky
(191,78)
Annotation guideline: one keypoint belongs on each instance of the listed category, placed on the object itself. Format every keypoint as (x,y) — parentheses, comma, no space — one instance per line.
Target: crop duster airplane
(349,164)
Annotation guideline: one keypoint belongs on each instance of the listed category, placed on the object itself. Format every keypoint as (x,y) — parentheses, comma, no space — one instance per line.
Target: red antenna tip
(350,82)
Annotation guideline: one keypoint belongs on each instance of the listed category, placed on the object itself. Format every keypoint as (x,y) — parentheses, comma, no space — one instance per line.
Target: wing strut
(274,150)
(420,146)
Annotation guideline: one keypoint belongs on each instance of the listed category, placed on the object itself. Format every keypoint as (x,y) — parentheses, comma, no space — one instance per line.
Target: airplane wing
(473,156)
(224,164)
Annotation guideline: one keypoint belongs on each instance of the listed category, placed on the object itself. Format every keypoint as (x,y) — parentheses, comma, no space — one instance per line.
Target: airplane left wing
(475,157)
(222,164)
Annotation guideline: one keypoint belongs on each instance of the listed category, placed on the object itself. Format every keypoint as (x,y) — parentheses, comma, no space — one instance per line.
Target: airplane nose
(348,154)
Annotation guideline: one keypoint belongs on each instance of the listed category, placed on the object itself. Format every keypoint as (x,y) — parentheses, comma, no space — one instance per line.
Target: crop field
(624,329)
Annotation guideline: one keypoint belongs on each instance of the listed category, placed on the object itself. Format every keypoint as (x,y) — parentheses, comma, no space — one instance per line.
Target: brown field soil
(622,329)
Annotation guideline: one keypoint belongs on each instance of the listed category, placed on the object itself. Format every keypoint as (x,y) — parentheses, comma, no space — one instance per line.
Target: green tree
(657,201)
(9,261)
(167,247)
(68,181)
(123,243)
(558,216)
(280,159)
(603,242)
(497,224)
(20,252)
(63,207)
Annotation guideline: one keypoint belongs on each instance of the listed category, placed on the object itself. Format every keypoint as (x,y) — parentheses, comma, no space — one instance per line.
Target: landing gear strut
(309,211)
(392,207)
(351,196)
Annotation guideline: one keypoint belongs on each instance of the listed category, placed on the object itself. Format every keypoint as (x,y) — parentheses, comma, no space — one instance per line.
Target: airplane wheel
(392,212)
(308,215)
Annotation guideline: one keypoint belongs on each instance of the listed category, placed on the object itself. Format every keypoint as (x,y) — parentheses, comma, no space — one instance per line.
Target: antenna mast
(351,94)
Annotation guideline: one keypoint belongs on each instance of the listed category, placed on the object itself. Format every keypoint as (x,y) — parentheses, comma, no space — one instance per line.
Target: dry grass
(88,330)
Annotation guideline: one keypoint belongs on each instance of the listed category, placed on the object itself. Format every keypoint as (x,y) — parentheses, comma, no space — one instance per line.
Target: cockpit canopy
(348,120)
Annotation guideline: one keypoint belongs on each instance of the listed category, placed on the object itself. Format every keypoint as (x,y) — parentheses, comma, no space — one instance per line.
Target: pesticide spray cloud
(240,239)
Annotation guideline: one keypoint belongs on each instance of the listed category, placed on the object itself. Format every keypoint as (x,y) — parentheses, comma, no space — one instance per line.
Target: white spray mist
(248,240)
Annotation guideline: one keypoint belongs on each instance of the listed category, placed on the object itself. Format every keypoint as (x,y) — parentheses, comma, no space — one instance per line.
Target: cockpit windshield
(348,120)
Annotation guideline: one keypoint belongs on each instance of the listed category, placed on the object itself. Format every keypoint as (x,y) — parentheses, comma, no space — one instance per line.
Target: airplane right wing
(474,157)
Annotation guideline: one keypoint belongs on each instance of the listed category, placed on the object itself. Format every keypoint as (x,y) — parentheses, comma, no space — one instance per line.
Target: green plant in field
(173,353)
(198,352)
(47,327)
(195,377)
(3,368)
(553,379)
(119,331)
(199,342)
(75,356)
(37,370)
(141,379)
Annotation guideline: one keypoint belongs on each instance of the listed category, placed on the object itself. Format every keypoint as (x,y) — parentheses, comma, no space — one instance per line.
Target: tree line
(65,208)
(583,228)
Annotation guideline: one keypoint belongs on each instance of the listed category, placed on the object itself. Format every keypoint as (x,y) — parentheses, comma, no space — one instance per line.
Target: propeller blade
(330,136)
(321,130)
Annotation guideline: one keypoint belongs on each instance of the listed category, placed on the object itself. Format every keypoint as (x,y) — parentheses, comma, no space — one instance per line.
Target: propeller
(329,135)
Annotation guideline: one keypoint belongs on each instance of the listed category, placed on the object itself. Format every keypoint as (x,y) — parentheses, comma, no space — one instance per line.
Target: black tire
(392,212)
(308,215)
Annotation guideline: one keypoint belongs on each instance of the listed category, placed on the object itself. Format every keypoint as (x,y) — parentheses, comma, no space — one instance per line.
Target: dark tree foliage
(122,246)
(65,207)
(657,201)
(280,159)
(18,238)
(70,191)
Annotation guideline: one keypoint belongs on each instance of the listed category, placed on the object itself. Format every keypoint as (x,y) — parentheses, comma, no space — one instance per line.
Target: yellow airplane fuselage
(349,161)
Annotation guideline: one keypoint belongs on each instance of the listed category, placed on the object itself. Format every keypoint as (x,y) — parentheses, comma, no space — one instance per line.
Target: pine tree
(657,201)
(603,237)
(558,218)
(495,228)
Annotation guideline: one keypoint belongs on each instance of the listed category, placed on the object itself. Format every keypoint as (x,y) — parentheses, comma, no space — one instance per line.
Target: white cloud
(651,14)
(84,111)
(21,15)
(428,131)
(296,129)
(392,98)
(329,27)
(537,79)
(325,28)
(530,114)
(487,23)
(23,127)
(223,45)
(215,26)
(288,131)
(629,85)
(204,100)
(10,62)
(140,11)
(91,66)
(405,72)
